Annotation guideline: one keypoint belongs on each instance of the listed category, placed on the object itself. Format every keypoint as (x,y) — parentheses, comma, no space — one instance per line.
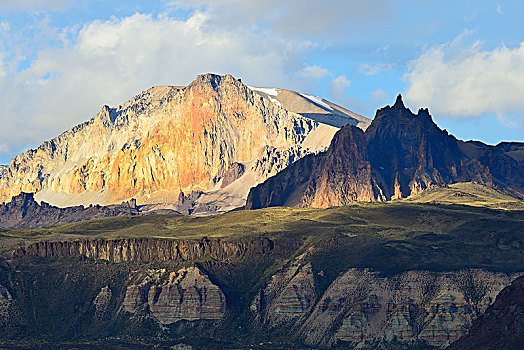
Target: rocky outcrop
(399,155)
(3,169)
(162,142)
(339,176)
(101,302)
(287,297)
(147,249)
(235,171)
(187,294)
(6,301)
(364,309)
(24,211)
(502,325)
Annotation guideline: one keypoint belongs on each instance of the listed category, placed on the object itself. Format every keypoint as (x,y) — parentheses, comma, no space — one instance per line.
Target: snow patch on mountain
(269,92)
(317,100)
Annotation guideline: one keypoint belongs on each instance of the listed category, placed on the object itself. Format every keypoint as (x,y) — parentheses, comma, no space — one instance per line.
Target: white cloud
(342,82)
(379,96)
(372,69)
(459,80)
(107,62)
(314,72)
(303,18)
(338,87)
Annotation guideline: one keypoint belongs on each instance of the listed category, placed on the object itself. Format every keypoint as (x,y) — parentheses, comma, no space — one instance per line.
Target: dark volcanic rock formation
(340,175)
(147,249)
(502,325)
(409,153)
(400,154)
(24,211)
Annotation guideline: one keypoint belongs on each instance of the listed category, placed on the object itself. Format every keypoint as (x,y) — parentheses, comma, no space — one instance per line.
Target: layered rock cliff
(147,249)
(187,294)
(363,309)
(502,325)
(167,141)
(399,155)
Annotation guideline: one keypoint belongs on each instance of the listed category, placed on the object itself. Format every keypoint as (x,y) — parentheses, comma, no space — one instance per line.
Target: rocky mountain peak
(400,154)
(399,104)
(215,80)
(168,140)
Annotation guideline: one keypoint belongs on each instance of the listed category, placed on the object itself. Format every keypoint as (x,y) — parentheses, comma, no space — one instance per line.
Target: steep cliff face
(287,297)
(339,176)
(165,141)
(187,294)
(364,309)
(147,249)
(399,155)
(409,154)
(502,325)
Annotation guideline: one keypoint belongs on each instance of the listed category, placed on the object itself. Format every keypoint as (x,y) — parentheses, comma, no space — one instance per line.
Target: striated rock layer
(187,294)
(147,249)
(167,141)
(364,309)
(502,325)
(399,155)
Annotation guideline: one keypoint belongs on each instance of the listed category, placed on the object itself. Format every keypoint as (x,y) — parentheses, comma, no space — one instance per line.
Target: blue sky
(62,60)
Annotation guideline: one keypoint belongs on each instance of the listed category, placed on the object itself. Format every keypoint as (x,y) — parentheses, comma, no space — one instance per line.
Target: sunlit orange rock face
(166,139)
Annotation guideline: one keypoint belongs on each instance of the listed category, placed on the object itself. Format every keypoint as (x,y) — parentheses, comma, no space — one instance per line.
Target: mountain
(313,107)
(3,169)
(402,154)
(24,211)
(339,176)
(174,146)
(502,325)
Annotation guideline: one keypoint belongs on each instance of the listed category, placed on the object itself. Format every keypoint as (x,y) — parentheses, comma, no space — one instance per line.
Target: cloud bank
(459,80)
(107,62)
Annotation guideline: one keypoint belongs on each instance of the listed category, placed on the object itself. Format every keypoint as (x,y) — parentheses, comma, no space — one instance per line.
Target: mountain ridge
(407,154)
(165,143)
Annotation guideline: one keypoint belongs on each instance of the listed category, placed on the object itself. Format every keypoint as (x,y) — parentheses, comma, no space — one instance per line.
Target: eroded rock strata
(360,308)
(363,309)
(147,249)
(502,325)
(187,294)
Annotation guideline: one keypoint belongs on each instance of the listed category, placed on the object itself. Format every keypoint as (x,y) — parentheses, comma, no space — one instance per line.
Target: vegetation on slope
(468,193)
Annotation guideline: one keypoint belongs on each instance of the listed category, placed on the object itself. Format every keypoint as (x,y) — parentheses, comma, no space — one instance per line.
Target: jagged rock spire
(398,102)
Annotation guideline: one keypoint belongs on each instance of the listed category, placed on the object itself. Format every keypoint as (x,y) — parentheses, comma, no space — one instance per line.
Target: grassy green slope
(387,237)
(468,193)
(398,235)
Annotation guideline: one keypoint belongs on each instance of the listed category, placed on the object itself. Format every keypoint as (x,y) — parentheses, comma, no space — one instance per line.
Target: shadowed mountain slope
(502,325)
(407,154)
